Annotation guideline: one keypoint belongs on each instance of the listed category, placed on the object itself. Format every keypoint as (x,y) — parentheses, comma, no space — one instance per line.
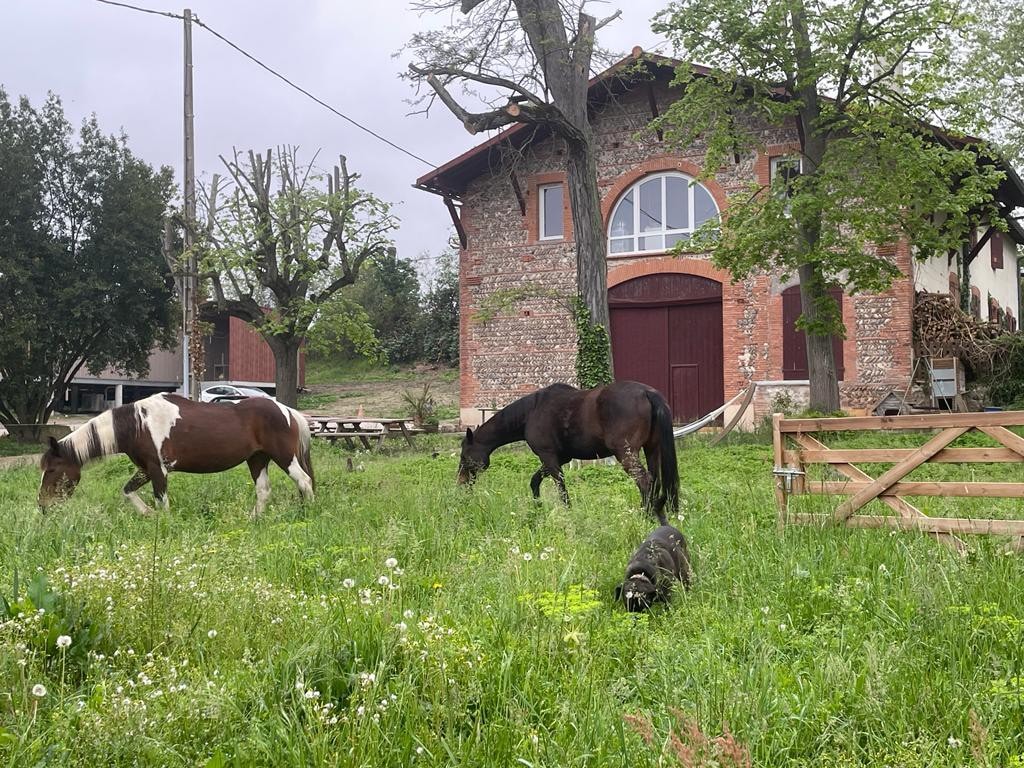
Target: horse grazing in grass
(166,433)
(560,423)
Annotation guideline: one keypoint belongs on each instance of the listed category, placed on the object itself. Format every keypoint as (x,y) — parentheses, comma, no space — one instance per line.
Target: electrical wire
(276,74)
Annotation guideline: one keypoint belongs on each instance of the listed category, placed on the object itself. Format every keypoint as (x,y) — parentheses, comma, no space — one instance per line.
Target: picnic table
(362,428)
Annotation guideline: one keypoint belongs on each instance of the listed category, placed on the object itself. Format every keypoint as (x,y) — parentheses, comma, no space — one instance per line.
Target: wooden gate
(796,447)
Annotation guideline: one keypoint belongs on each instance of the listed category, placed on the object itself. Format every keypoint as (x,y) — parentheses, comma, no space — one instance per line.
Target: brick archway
(660,265)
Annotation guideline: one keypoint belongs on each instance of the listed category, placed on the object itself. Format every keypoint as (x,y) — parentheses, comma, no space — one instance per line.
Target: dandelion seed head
(39,690)
(391,563)
(64,641)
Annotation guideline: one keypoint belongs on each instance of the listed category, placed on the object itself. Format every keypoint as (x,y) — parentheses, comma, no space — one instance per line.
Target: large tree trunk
(588,229)
(821,364)
(286,368)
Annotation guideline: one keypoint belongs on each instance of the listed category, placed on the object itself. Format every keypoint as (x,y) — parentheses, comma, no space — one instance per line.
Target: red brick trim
(763,164)
(533,185)
(657,164)
(657,265)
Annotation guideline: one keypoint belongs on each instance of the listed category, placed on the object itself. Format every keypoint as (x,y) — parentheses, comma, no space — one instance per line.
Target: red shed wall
(250,358)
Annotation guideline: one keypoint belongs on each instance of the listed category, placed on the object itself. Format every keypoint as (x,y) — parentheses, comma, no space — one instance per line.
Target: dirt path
(384,397)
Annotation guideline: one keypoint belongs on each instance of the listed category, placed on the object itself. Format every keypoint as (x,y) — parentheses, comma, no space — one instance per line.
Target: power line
(278,75)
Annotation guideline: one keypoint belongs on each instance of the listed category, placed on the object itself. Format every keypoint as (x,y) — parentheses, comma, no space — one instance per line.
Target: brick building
(677,323)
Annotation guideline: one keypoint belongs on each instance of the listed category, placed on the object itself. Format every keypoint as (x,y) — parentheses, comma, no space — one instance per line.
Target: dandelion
(401,626)
(782,627)
(437,585)
(399,571)
(883,569)
(39,690)
(527,556)
(383,580)
(348,583)
(64,641)
(391,563)
(419,750)
(211,634)
(544,555)
(408,613)
(954,742)
(514,550)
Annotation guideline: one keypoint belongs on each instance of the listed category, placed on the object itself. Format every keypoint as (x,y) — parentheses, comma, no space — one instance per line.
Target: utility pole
(190,282)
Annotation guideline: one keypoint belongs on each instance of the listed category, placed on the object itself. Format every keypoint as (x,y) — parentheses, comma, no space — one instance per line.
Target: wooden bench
(363,437)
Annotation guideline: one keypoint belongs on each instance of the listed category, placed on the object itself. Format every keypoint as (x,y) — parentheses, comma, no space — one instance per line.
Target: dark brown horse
(560,423)
(166,433)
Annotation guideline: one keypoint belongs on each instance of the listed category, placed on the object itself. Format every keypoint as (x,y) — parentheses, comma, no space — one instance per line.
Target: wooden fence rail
(796,447)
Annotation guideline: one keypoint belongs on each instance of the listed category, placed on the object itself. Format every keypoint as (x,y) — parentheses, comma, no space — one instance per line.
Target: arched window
(657,212)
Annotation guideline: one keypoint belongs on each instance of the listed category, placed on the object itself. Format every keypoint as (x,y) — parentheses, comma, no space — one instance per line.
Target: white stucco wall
(1000,284)
(932,275)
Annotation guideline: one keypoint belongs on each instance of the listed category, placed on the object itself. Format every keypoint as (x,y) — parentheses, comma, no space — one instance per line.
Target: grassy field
(399,620)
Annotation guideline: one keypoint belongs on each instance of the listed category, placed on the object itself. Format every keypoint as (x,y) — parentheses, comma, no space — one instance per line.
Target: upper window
(785,170)
(657,212)
(550,209)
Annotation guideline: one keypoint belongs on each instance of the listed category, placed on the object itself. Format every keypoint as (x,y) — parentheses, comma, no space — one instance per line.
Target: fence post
(781,500)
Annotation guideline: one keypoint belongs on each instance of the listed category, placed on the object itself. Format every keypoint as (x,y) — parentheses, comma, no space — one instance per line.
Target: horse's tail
(666,474)
(305,438)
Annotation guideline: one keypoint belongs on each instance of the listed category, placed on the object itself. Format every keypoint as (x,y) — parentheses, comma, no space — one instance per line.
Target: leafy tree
(440,319)
(281,247)
(389,292)
(528,61)
(991,75)
(866,148)
(83,280)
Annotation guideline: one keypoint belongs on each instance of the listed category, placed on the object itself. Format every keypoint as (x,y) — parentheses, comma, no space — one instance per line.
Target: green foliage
(43,615)
(83,281)
(874,171)
(439,325)
(422,406)
(388,291)
(593,363)
(1006,382)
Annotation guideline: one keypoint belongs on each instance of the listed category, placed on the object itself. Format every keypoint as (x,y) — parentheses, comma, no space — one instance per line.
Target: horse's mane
(514,415)
(97,437)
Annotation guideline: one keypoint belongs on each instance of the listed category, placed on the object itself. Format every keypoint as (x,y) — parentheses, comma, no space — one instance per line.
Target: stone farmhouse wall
(532,343)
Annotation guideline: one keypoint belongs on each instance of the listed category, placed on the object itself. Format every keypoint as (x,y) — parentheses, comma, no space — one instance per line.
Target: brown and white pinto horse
(168,433)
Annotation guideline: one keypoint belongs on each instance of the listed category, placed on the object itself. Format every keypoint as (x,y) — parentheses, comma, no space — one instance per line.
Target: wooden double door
(667,332)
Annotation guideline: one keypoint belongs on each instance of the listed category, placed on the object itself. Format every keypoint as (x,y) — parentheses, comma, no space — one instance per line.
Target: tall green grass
(200,637)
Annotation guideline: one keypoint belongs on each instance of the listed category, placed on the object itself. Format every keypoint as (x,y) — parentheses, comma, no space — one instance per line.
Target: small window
(551,203)
(997,250)
(784,171)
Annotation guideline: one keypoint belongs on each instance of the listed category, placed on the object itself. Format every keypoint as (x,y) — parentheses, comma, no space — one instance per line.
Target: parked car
(230,393)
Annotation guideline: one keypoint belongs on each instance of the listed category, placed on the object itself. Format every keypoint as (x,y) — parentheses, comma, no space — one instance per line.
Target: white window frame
(775,162)
(663,232)
(541,189)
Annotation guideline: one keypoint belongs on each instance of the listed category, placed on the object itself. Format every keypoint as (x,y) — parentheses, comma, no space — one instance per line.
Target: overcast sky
(126,67)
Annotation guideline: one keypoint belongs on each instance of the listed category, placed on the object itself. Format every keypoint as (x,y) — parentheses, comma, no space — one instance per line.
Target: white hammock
(693,426)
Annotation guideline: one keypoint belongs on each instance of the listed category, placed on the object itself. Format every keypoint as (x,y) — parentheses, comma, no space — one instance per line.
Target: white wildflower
(383,580)
(64,641)
(39,690)
(211,634)
(348,583)
(954,742)
(408,613)
(527,556)
(391,563)
(401,626)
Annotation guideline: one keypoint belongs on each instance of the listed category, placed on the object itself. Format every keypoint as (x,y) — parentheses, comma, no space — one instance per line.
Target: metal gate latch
(788,474)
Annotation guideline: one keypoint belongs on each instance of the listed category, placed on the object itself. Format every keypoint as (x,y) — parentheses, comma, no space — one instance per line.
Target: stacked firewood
(942,329)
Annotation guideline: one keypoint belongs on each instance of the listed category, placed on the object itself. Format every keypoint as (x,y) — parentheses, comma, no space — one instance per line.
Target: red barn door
(667,332)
